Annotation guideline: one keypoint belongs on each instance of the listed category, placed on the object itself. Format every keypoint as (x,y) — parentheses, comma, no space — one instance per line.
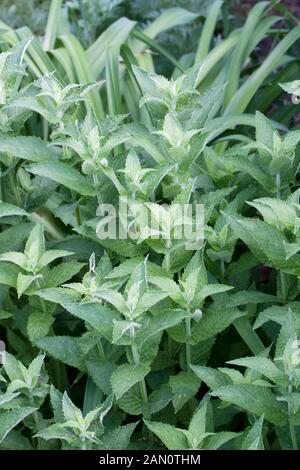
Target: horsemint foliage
(101,333)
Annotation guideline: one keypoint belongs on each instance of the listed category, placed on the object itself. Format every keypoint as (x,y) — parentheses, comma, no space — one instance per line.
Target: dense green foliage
(142,343)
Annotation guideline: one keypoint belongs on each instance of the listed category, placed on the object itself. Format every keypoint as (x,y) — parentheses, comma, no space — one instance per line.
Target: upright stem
(42,302)
(136,358)
(35,416)
(291,425)
(278,183)
(96,186)
(188,352)
(167,261)
(100,350)
(15,188)
(222,268)
(283,285)
(282,276)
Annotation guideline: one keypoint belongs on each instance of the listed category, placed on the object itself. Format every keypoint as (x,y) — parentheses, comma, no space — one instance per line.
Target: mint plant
(149,245)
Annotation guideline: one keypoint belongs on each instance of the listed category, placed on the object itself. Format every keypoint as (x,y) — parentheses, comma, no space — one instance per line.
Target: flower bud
(88,167)
(104,162)
(197,314)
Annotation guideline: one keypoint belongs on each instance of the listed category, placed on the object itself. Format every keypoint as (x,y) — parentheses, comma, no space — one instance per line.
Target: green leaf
(262,365)
(184,387)
(9,274)
(212,377)
(11,239)
(64,349)
(119,438)
(35,246)
(24,282)
(16,258)
(161,322)
(39,324)
(12,367)
(219,439)
(70,411)
(61,274)
(265,241)
(58,295)
(56,431)
(246,92)
(171,437)
(11,418)
(98,316)
(126,376)
(208,31)
(9,209)
(7,397)
(255,400)
(101,373)
(254,438)
(52,24)
(115,35)
(4,314)
(52,255)
(198,424)
(29,148)
(214,320)
(169,19)
(286,334)
(64,174)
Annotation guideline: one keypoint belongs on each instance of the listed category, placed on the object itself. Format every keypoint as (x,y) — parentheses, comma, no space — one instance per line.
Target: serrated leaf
(212,377)
(61,274)
(39,324)
(101,373)
(9,210)
(11,418)
(27,148)
(184,387)
(126,376)
(255,400)
(63,348)
(119,438)
(63,174)
(254,439)
(97,315)
(262,365)
(171,437)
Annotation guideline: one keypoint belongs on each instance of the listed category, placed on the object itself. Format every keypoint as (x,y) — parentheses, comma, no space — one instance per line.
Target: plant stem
(167,261)
(78,216)
(42,302)
(36,422)
(96,186)
(222,269)
(278,183)
(283,285)
(291,426)
(136,359)
(101,350)
(282,276)
(188,352)
(15,188)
